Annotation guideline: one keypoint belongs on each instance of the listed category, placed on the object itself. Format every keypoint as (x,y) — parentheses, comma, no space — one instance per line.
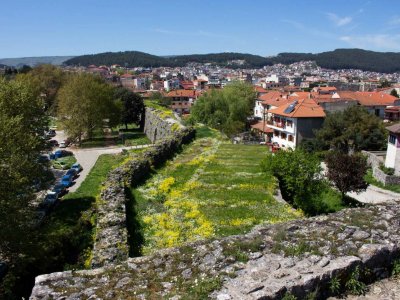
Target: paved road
(375,195)
(88,157)
(372,195)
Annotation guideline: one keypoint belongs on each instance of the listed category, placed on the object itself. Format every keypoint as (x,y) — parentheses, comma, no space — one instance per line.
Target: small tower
(393,149)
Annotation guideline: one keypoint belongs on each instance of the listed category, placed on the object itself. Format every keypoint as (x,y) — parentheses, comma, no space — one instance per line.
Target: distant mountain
(141,59)
(386,62)
(33,61)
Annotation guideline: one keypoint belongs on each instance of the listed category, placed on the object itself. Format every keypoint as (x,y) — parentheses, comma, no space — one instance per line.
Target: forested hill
(386,62)
(141,59)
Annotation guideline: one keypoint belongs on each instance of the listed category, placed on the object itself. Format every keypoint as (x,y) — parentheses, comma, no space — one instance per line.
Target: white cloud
(338,21)
(382,42)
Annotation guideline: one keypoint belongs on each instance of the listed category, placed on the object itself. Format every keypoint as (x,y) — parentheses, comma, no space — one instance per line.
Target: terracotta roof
(273,98)
(305,108)
(370,98)
(327,88)
(260,126)
(182,93)
(394,128)
(300,94)
(259,89)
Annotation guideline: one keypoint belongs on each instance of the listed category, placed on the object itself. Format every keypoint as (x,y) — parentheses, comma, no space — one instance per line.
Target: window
(377,110)
(290,138)
(289,123)
(392,139)
(276,133)
(283,136)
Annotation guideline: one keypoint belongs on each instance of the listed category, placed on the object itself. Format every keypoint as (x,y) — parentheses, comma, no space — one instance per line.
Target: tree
(384,83)
(227,109)
(347,172)
(86,102)
(132,106)
(22,123)
(352,129)
(48,80)
(298,173)
(394,93)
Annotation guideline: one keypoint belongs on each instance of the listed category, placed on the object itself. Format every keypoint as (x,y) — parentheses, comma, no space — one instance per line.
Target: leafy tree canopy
(47,79)
(225,109)
(353,128)
(132,106)
(22,123)
(347,172)
(85,102)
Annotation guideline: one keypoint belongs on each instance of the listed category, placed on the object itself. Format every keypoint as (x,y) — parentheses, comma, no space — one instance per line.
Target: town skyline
(266,29)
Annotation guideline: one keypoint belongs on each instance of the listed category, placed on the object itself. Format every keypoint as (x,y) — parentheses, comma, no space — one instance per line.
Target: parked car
(53,143)
(77,167)
(67,180)
(61,153)
(51,198)
(60,189)
(43,158)
(72,172)
(63,144)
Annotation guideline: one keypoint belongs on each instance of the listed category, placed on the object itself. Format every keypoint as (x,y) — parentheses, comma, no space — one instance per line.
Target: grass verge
(390,187)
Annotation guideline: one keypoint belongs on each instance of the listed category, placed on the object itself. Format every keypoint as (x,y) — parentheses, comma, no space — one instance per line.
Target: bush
(386,170)
(298,175)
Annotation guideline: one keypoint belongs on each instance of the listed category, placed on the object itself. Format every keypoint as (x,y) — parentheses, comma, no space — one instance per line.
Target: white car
(62,144)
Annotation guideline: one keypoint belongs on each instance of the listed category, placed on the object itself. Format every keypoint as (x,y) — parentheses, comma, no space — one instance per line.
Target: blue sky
(161,27)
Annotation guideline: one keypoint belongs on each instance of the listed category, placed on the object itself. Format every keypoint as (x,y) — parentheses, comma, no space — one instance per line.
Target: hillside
(386,62)
(32,61)
(141,59)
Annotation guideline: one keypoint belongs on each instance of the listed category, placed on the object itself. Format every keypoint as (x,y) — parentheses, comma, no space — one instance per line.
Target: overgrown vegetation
(65,239)
(301,182)
(211,189)
(371,180)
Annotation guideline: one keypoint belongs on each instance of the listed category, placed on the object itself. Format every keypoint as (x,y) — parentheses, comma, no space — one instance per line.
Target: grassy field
(131,137)
(211,189)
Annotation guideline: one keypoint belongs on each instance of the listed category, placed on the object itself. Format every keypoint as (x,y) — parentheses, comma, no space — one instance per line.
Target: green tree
(47,79)
(227,109)
(347,172)
(298,173)
(86,102)
(384,83)
(394,93)
(352,129)
(22,123)
(132,106)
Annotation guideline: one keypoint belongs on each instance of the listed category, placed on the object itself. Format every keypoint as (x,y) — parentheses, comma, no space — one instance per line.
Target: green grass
(91,186)
(390,187)
(131,137)
(63,163)
(211,189)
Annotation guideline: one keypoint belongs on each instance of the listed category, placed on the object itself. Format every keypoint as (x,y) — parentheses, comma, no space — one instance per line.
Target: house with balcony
(295,121)
(182,100)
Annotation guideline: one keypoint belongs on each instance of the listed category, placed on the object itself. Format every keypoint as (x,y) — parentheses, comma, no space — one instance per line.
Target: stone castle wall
(111,242)
(158,125)
(299,257)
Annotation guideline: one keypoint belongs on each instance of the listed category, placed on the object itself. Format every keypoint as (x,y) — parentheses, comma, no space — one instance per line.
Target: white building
(393,149)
